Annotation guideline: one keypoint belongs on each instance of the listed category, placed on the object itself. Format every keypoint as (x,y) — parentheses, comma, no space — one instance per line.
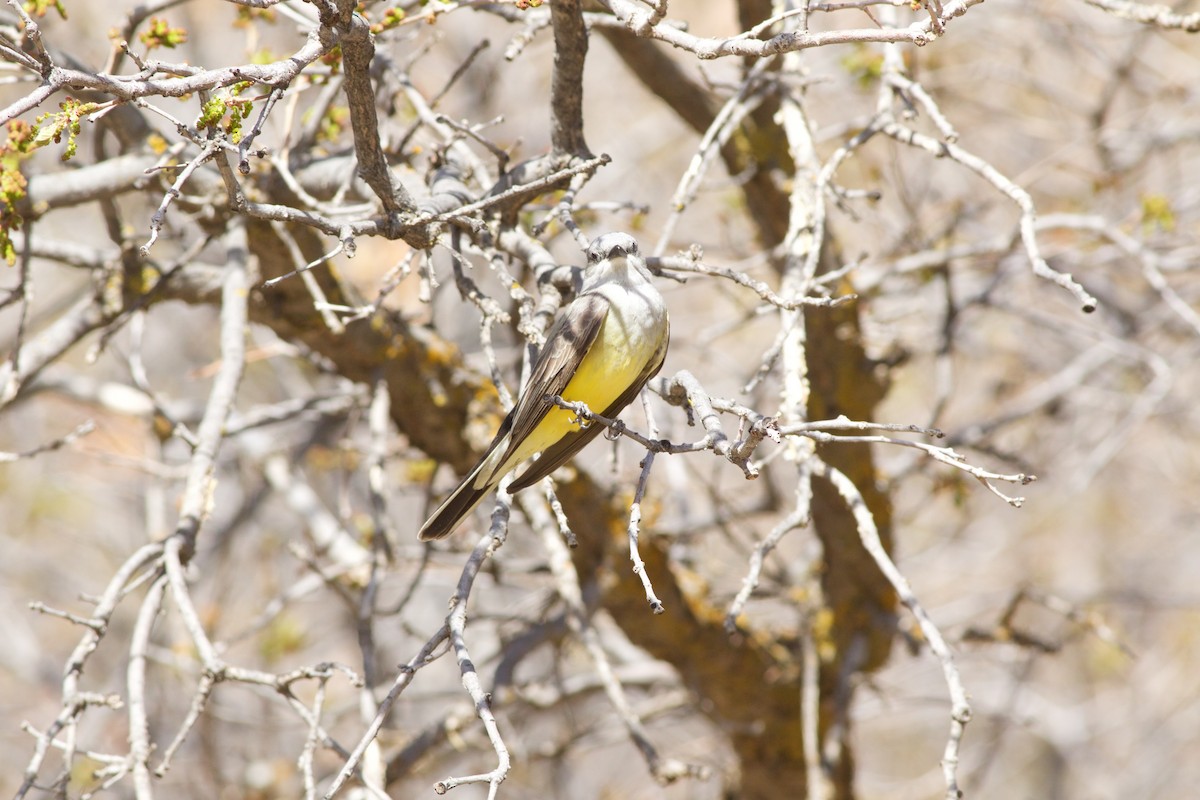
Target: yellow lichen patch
(284,636)
(442,354)
(156,143)
(821,627)
(419,470)
(328,459)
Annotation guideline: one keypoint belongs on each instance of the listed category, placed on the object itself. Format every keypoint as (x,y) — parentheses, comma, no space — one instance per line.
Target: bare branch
(357,50)
(129,88)
(960,712)
(640,21)
(79,432)
(456,624)
(1160,16)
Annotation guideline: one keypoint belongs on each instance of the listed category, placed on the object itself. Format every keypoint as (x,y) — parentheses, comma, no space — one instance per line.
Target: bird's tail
(462,501)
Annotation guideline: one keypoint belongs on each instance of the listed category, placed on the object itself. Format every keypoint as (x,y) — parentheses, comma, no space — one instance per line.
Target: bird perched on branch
(601,351)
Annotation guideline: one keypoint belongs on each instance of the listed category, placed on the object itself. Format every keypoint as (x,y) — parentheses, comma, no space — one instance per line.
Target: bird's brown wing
(560,452)
(568,341)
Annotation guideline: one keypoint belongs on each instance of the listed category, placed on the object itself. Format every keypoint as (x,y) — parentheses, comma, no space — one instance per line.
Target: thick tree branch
(566,86)
(357,51)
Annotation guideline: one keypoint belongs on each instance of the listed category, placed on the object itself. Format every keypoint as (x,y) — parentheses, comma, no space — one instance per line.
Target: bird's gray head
(610,246)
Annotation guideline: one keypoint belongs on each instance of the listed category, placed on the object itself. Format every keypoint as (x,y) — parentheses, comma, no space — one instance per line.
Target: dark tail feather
(452,510)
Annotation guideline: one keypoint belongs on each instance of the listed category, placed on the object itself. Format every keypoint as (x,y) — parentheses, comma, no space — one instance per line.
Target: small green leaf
(39,8)
(1157,213)
(159,33)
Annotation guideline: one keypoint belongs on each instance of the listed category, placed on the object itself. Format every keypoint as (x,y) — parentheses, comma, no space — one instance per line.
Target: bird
(600,351)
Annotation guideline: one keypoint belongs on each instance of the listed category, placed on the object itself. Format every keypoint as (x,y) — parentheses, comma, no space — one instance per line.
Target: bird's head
(610,247)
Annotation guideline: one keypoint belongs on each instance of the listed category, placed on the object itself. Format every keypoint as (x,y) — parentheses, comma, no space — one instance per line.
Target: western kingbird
(600,351)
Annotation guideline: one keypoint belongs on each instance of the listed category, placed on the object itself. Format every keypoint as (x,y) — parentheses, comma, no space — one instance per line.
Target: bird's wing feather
(457,505)
(559,453)
(568,341)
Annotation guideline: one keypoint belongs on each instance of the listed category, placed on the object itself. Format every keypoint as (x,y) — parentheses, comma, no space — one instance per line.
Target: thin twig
(79,432)
(960,711)
(566,581)
(456,623)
